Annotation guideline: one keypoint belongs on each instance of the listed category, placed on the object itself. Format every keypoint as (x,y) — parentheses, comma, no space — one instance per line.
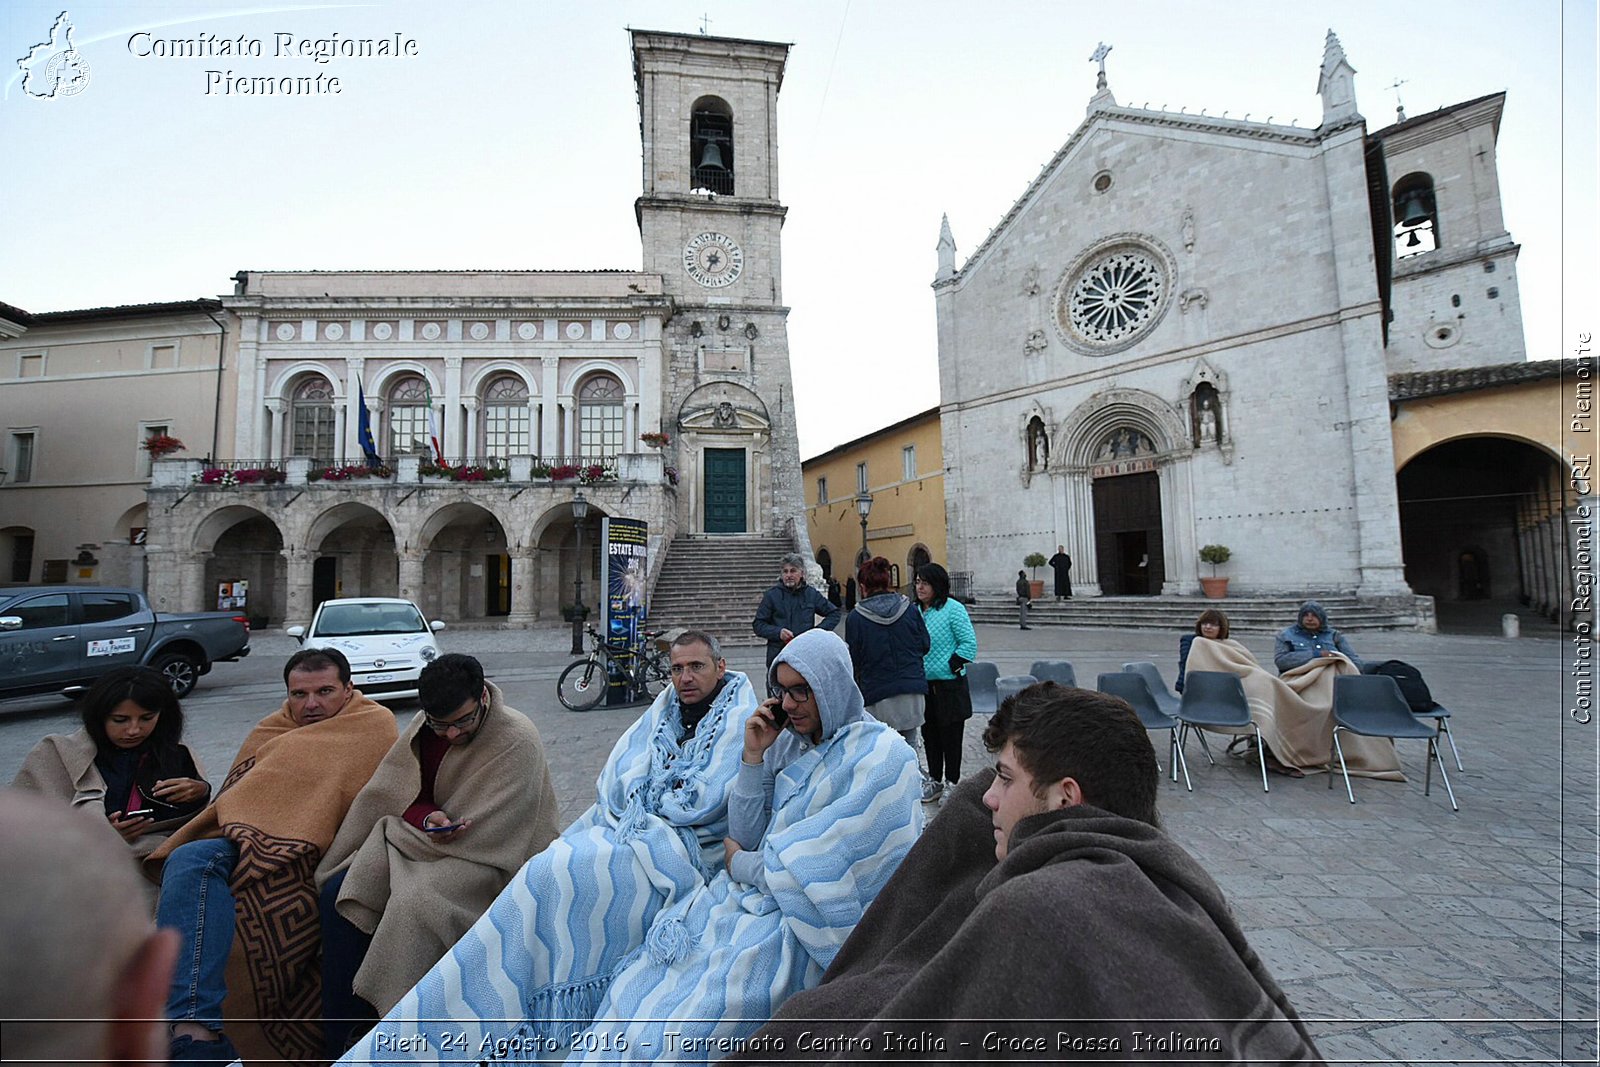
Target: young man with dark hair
(248,860)
(1044,916)
(415,865)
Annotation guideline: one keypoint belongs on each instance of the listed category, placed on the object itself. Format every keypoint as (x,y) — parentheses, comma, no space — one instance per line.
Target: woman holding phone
(128,760)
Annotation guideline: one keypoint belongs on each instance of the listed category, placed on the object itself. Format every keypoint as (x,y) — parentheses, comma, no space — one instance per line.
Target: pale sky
(511,141)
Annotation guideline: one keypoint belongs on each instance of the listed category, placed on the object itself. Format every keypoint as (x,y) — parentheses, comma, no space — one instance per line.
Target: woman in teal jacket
(954,644)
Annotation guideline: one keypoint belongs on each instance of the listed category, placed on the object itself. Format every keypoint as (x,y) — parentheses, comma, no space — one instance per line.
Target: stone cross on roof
(1099,56)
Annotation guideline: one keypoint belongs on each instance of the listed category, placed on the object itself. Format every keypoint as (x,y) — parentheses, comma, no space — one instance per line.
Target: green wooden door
(725,506)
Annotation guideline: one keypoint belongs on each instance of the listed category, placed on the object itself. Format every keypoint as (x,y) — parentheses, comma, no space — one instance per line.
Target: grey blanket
(1097,938)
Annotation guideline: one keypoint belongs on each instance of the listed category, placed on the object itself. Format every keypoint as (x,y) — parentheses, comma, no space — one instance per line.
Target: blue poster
(624,545)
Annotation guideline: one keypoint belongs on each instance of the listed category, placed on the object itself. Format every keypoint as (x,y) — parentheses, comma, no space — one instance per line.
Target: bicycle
(643,670)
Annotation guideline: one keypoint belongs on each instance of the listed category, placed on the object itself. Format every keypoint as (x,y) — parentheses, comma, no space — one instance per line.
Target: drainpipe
(216,411)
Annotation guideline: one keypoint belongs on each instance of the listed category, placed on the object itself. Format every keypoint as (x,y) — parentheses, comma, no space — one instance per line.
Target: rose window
(1112,298)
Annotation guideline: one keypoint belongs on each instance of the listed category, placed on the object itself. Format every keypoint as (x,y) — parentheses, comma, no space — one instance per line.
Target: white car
(386,640)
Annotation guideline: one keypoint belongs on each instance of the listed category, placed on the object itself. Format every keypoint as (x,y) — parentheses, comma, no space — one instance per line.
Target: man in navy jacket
(791,607)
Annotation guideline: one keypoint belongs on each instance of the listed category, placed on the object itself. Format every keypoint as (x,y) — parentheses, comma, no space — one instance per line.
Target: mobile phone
(780,718)
(443,829)
(141,811)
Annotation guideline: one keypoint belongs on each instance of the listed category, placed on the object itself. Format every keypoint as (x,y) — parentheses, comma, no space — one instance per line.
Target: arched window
(408,417)
(506,424)
(311,420)
(600,417)
(711,146)
(1416,216)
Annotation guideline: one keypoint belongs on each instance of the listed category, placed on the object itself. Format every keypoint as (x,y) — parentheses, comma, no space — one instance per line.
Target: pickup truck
(61,638)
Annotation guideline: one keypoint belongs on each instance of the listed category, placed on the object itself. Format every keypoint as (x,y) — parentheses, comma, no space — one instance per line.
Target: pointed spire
(1336,83)
(947,250)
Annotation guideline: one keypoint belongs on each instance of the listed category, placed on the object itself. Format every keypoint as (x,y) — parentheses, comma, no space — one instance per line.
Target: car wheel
(180,671)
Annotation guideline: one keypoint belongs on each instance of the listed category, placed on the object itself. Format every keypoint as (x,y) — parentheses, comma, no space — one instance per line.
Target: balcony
(300,472)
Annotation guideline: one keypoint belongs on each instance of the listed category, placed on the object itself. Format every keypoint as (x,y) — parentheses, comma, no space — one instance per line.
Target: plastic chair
(1165,698)
(1058,671)
(1011,685)
(1132,688)
(1441,718)
(1214,700)
(1373,706)
(981,677)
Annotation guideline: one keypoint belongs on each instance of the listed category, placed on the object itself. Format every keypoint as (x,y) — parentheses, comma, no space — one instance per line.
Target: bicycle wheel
(582,685)
(656,676)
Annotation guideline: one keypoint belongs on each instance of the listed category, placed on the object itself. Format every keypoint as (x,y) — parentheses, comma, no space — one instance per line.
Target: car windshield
(353,620)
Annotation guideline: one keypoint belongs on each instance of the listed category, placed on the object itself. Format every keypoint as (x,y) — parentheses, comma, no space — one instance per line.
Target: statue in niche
(1205,412)
(1038,445)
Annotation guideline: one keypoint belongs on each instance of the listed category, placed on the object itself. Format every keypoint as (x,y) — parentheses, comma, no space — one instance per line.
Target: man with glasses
(415,865)
(246,864)
(526,977)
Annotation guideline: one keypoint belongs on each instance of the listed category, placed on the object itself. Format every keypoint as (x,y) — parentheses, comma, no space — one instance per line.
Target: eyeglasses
(464,723)
(799,693)
(692,667)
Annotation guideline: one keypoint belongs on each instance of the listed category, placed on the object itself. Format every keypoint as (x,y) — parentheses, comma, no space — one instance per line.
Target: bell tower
(711,227)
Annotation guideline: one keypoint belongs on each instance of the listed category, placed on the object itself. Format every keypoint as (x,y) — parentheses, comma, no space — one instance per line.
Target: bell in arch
(1413,212)
(711,156)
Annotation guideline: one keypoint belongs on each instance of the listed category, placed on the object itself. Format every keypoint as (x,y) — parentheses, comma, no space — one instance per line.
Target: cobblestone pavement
(1403,931)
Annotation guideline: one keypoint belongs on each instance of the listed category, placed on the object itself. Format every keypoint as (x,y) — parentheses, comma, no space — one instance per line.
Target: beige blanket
(415,895)
(282,804)
(1295,711)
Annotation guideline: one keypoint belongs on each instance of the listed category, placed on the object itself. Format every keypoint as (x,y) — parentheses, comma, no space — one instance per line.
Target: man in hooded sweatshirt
(1310,638)
(1044,916)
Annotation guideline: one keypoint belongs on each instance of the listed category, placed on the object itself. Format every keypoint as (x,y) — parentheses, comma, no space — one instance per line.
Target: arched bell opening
(711,146)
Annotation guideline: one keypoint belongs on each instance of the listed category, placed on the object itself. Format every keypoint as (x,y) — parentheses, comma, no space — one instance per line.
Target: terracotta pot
(1215,588)
(1037,589)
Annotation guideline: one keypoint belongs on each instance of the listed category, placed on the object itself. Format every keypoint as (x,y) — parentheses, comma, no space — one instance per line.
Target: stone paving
(1403,931)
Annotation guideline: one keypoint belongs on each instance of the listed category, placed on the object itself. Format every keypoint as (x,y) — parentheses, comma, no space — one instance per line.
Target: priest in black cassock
(1062,563)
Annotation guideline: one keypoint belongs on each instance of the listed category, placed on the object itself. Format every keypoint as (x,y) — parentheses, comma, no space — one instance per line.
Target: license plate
(378,678)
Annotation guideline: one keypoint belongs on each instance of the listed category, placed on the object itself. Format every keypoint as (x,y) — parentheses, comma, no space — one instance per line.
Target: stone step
(1249,615)
(716,583)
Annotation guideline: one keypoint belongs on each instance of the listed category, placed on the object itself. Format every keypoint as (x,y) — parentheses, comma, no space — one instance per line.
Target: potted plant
(1033,562)
(1215,588)
(162,444)
(655,440)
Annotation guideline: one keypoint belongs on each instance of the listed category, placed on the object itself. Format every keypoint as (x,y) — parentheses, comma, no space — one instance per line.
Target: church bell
(1413,211)
(711,156)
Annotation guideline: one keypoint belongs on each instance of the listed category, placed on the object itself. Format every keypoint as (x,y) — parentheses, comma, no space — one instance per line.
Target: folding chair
(1058,671)
(1132,688)
(1214,700)
(980,684)
(1165,698)
(1373,706)
(1418,697)
(1011,685)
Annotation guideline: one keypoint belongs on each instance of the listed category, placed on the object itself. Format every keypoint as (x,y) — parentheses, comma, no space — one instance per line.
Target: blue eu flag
(364,429)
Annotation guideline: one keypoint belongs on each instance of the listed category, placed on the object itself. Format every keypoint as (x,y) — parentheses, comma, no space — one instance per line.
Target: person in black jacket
(791,607)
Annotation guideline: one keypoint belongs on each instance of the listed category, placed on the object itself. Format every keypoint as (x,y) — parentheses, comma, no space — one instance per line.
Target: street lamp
(864,506)
(580,511)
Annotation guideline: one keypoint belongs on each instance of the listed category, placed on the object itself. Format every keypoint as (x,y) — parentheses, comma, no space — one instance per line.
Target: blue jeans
(197,902)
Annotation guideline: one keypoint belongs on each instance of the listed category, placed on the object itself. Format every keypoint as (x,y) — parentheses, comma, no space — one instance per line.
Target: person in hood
(887,639)
(791,607)
(1310,638)
(825,807)
(1046,891)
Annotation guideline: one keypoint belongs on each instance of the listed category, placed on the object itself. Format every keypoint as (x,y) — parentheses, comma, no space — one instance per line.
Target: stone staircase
(714,583)
(1252,614)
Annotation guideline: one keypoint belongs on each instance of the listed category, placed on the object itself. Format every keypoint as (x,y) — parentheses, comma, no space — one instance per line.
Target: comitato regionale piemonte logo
(54,68)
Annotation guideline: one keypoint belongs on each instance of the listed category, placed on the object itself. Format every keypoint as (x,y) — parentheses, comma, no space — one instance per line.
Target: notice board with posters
(624,548)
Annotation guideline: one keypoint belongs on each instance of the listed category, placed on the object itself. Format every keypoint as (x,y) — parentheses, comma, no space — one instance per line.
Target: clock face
(713,259)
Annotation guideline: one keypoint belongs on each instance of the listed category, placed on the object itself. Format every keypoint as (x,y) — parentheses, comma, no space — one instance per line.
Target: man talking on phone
(413,868)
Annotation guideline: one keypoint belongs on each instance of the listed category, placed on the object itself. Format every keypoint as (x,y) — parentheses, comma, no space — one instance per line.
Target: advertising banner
(624,546)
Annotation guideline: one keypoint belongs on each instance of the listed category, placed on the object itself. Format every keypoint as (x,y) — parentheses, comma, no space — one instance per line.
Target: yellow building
(901,468)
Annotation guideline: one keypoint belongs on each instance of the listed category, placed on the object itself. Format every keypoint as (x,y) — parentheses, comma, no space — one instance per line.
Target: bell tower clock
(711,224)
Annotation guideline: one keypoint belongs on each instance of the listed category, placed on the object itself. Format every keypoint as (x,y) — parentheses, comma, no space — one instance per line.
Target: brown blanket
(281,804)
(1098,938)
(415,895)
(1295,711)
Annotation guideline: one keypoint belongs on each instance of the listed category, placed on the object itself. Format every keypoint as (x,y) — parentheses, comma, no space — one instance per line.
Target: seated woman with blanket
(534,969)
(129,759)
(1295,711)
(1212,625)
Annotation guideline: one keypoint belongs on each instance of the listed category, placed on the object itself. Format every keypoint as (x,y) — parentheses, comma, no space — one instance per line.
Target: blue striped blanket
(532,971)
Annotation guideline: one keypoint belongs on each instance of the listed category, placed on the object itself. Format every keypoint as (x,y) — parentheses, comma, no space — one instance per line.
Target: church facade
(662,394)
(1182,335)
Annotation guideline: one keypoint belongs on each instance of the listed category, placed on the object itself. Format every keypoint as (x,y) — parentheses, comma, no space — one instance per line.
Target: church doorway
(1127,531)
(725,482)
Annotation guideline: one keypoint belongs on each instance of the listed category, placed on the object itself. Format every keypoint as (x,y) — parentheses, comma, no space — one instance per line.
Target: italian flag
(434,436)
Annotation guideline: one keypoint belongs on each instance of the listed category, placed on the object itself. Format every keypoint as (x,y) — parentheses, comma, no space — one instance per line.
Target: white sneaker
(932,791)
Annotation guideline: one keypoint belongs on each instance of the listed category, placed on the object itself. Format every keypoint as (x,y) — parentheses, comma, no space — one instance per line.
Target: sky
(510,140)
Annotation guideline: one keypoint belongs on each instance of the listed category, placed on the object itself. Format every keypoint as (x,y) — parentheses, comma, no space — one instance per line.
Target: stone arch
(351,546)
(386,376)
(571,379)
(138,515)
(243,543)
(1137,409)
(725,430)
(711,146)
(225,518)
(283,385)
(554,537)
(1415,447)
(450,514)
(499,368)
(461,551)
